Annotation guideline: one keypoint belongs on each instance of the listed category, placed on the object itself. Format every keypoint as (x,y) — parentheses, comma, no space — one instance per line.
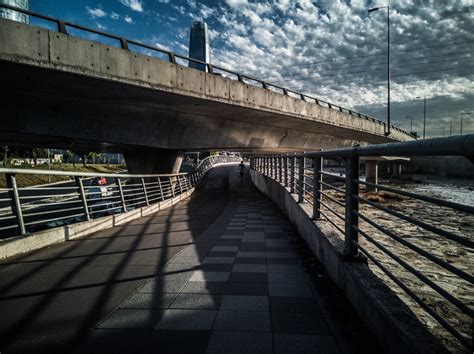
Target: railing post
(292,174)
(275,170)
(16,203)
(352,206)
(179,185)
(82,193)
(124,43)
(161,189)
(270,165)
(280,167)
(285,167)
(317,176)
(301,179)
(62,27)
(171,186)
(122,197)
(144,191)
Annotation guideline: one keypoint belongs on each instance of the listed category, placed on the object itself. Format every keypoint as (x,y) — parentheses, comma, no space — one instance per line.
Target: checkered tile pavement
(239,288)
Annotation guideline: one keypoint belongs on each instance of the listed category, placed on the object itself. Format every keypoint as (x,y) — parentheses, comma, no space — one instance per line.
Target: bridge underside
(52,108)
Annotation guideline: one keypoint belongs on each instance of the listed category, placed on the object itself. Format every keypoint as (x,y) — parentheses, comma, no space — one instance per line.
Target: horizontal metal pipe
(416,298)
(25,214)
(54,219)
(332,211)
(40,205)
(101,211)
(459,145)
(29,171)
(333,199)
(459,239)
(28,197)
(41,188)
(419,250)
(425,198)
(331,222)
(456,302)
(8,227)
(333,176)
(332,187)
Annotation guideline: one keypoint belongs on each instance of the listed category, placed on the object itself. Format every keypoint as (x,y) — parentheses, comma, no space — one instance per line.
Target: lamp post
(411,123)
(388,63)
(464,114)
(424,116)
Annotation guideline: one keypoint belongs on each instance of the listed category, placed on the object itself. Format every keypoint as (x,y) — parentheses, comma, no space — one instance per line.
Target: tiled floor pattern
(238,289)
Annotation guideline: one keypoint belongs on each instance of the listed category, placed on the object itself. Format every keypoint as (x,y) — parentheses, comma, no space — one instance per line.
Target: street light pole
(387,133)
(424,116)
(465,114)
(411,122)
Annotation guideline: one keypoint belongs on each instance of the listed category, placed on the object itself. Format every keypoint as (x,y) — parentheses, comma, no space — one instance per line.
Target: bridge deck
(199,277)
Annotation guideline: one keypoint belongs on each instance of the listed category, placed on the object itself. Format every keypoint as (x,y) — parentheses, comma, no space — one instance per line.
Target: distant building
(199,45)
(15,15)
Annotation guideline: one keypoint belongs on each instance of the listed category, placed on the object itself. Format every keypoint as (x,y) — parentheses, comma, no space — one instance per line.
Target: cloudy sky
(331,49)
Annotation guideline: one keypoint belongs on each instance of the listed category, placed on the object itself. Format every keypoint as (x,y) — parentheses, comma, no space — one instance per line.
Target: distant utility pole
(464,114)
(387,133)
(451,128)
(424,116)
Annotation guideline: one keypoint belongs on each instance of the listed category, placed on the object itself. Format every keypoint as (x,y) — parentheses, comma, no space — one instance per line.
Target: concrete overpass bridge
(69,92)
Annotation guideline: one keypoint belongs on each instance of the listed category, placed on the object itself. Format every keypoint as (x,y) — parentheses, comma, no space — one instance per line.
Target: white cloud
(114,16)
(135,5)
(206,11)
(96,13)
(128,19)
(331,49)
(236,4)
(101,27)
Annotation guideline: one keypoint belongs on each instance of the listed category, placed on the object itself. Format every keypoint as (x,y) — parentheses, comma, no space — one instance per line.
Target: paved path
(214,274)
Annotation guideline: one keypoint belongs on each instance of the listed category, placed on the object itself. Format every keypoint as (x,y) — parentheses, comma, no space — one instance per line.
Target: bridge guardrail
(311,185)
(128,44)
(28,209)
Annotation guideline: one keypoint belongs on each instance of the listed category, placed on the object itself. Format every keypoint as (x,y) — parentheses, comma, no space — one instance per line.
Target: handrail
(28,209)
(124,43)
(278,168)
(31,171)
(460,145)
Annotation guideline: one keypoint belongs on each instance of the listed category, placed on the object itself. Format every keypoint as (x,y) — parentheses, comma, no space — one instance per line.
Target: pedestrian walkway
(239,288)
(216,273)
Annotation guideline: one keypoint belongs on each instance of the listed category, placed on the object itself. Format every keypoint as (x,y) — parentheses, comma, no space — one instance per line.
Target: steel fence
(32,208)
(132,45)
(303,175)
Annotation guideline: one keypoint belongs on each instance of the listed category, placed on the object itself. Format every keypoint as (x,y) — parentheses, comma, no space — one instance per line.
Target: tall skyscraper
(199,45)
(15,15)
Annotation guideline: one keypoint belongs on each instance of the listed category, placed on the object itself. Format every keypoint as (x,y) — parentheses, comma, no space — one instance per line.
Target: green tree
(67,156)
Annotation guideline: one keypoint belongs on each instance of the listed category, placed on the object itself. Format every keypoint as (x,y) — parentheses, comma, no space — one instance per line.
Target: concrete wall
(15,246)
(121,97)
(386,316)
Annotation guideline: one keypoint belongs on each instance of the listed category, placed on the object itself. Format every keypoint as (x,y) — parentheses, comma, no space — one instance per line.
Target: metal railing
(303,174)
(28,209)
(128,44)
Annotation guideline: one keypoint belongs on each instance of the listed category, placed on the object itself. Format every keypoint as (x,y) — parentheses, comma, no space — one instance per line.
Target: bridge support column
(153,161)
(396,169)
(371,173)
